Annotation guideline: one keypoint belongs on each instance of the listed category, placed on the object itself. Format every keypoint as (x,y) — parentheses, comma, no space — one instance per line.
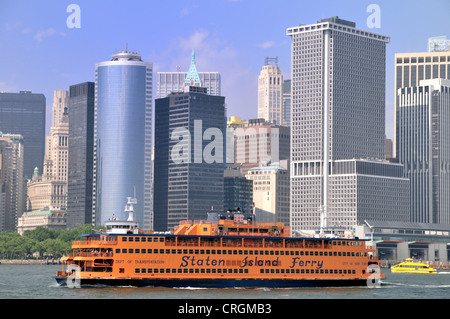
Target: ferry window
(235,252)
(202,251)
(306,253)
(137,251)
(143,270)
(191,251)
(121,270)
(167,251)
(161,239)
(149,270)
(130,251)
(277,252)
(117,250)
(137,270)
(174,251)
(137,239)
(185,271)
(196,270)
(149,239)
(316,253)
(124,251)
(213,251)
(196,251)
(208,252)
(143,239)
(124,238)
(321,253)
(130,239)
(161,270)
(161,251)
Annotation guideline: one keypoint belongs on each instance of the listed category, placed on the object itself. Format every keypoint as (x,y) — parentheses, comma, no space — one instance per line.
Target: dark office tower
(188,170)
(24,113)
(238,191)
(81,147)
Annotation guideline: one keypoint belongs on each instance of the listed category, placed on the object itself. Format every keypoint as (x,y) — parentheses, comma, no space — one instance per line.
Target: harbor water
(36,282)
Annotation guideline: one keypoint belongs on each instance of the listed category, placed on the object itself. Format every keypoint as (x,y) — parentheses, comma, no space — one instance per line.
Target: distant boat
(411,267)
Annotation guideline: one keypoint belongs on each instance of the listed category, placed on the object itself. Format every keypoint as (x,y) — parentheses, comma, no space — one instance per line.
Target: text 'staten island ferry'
(412,267)
(226,250)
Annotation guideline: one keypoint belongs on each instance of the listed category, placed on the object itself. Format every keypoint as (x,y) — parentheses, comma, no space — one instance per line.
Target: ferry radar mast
(129,208)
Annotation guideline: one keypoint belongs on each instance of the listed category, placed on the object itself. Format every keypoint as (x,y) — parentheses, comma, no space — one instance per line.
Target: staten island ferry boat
(225,250)
(412,267)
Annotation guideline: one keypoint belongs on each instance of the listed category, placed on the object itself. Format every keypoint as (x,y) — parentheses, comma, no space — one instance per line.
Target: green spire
(192,77)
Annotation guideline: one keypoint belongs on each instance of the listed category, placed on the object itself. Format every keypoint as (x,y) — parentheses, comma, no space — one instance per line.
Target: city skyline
(44,54)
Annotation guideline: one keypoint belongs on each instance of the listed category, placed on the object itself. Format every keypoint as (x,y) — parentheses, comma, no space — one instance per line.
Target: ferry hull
(219,283)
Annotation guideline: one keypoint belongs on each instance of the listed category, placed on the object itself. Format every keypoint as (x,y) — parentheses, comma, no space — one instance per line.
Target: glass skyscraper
(123,134)
(24,113)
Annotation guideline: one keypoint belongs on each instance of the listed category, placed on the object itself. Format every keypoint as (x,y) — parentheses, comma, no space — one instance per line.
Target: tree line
(41,242)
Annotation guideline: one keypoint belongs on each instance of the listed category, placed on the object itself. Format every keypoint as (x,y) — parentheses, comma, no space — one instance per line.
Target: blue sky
(39,52)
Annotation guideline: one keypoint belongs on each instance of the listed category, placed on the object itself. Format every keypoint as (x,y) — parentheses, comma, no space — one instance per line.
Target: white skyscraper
(342,68)
(423,134)
(270,92)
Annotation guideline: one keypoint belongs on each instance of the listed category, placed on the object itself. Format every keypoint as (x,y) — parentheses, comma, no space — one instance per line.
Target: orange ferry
(226,250)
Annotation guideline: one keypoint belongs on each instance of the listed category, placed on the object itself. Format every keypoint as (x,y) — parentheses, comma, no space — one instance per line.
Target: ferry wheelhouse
(226,250)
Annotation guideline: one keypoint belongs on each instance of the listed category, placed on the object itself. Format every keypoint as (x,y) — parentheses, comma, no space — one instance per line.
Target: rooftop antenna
(269,59)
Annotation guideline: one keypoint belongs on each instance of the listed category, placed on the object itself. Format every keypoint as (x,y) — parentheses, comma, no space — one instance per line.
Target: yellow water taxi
(409,266)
